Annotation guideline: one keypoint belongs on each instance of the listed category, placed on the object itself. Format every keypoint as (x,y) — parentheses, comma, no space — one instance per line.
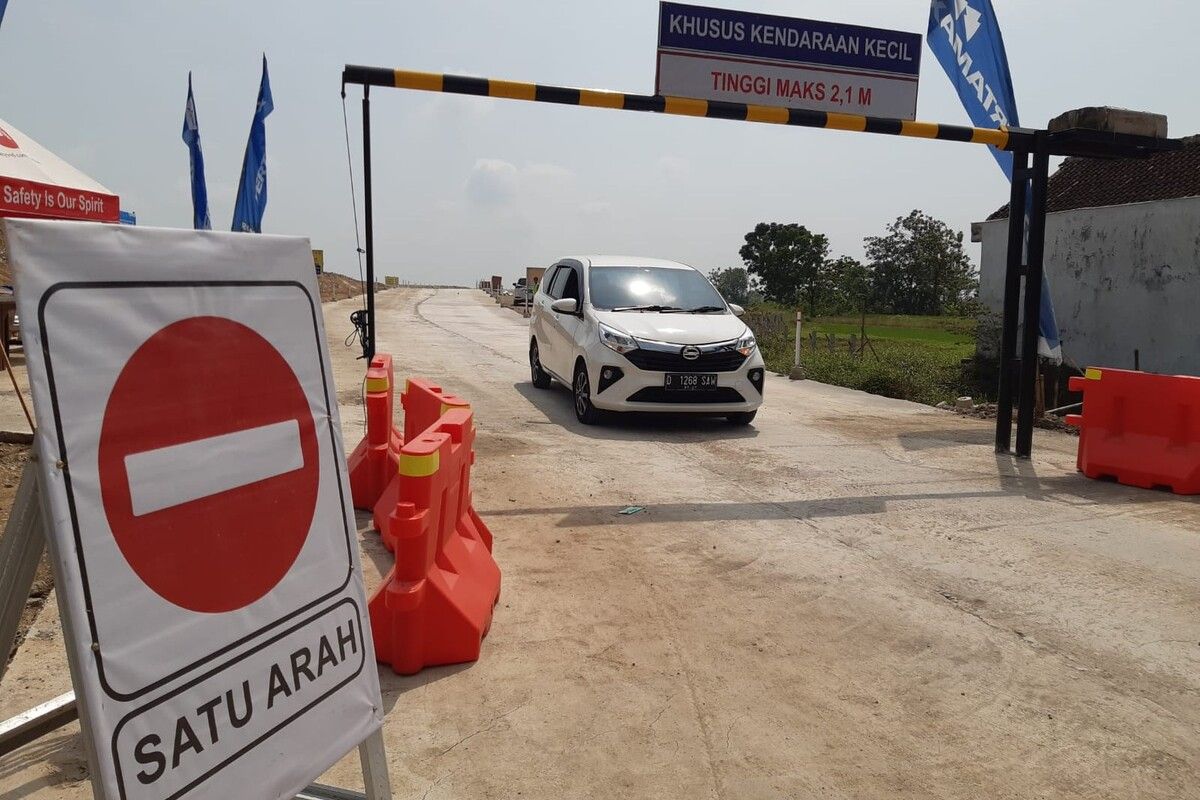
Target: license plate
(690,381)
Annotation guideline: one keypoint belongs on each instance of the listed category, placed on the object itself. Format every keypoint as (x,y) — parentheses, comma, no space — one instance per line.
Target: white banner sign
(203,540)
(762,59)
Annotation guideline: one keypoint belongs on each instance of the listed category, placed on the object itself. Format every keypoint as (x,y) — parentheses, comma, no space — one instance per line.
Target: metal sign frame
(1018,371)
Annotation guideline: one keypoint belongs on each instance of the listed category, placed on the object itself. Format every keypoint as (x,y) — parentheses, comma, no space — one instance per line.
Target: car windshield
(652,289)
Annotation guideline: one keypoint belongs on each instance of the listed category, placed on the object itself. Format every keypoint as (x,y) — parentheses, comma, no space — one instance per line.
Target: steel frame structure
(1025,258)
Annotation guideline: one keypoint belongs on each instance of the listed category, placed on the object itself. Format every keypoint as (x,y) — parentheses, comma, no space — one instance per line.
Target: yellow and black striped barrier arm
(1003,138)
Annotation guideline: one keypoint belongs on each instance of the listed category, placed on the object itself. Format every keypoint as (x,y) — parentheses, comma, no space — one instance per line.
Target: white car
(642,334)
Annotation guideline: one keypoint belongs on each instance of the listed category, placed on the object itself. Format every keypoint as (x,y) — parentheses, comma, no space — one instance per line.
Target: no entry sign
(202,537)
(236,451)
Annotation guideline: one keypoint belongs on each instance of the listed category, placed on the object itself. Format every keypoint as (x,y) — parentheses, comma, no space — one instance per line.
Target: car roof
(600,261)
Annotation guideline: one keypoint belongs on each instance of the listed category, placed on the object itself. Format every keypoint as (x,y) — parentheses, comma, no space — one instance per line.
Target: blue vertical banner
(251,199)
(191,137)
(964,36)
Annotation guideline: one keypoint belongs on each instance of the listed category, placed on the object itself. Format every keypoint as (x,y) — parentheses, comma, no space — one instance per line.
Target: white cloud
(493,182)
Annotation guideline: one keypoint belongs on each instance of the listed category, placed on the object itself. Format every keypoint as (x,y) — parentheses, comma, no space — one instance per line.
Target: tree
(919,267)
(851,284)
(733,283)
(791,262)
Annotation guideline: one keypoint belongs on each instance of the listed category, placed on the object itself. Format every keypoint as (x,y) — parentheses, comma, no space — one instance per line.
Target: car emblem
(691,352)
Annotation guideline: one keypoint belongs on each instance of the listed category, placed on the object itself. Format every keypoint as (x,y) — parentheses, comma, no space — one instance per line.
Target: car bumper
(643,390)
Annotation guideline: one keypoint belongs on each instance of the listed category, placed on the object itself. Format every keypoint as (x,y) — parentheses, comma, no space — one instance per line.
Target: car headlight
(615,340)
(746,344)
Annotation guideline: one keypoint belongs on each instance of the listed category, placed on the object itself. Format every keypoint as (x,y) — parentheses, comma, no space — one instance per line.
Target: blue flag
(964,36)
(191,137)
(3,6)
(252,188)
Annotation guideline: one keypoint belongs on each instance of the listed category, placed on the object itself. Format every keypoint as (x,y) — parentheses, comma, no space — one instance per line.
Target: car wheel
(541,378)
(741,417)
(585,412)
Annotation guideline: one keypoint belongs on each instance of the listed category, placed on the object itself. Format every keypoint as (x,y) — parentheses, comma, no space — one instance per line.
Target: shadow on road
(949,437)
(584,516)
(557,405)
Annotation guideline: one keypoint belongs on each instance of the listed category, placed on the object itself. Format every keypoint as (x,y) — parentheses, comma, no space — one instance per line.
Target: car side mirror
(736,309)
(565,305)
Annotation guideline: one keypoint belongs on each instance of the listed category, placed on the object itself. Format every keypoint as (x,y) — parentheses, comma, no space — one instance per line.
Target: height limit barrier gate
(1018,367)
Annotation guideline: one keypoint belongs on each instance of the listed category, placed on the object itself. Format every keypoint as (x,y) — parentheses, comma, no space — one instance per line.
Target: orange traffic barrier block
(424,402)
(435,605)
(373,462)
(1139,428)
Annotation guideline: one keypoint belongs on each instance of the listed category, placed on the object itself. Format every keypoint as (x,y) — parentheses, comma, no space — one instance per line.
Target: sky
(469,187)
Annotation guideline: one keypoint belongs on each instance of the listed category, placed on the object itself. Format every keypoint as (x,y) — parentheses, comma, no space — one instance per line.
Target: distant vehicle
(640,334)
(522,294)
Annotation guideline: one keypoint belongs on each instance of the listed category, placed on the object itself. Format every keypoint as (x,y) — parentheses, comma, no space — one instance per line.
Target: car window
(555,286)
(571,285)
(621,287)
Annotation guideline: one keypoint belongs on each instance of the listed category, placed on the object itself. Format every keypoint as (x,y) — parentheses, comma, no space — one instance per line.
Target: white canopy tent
(34,182)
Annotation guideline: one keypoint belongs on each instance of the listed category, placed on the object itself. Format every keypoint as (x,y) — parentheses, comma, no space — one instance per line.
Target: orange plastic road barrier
(1139,428)
(435,606)
(373,462)
(424,403)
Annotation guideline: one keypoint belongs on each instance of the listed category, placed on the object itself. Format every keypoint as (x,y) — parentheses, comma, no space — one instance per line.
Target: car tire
(581,391)
(741,417)
(539,376)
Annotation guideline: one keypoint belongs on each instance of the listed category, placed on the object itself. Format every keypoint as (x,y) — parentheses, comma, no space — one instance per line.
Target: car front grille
(657,394)
(663,361)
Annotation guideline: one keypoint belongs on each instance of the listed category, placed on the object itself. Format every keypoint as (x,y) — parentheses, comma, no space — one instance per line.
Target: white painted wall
(1121,277)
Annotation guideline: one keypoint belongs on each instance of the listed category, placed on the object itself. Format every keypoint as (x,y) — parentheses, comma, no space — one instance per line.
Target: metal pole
(799,324)
(369,326)
(1012,301)
(1033,300)
(35,723)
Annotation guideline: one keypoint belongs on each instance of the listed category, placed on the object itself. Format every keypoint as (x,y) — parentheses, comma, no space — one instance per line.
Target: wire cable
(358,317)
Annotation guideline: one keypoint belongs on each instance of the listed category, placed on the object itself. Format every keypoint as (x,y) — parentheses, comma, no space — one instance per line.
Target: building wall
(1121,277)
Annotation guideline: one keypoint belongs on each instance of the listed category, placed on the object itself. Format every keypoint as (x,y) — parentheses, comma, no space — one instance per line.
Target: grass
(953,332)
(914,358)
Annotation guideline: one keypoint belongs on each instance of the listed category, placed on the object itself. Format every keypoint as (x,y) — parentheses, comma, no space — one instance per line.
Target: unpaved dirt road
(855,598)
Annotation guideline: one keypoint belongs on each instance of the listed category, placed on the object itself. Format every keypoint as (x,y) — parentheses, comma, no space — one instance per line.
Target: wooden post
(20,551)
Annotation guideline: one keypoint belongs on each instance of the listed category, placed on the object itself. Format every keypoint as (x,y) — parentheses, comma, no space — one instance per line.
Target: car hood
(674,328)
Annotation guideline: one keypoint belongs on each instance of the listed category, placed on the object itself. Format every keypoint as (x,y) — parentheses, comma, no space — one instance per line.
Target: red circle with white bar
(208,464)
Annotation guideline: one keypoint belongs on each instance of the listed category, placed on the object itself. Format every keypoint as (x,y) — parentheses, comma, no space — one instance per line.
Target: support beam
(368,334)
(35,723)
(20,551)
(1033,301)
(1014,262)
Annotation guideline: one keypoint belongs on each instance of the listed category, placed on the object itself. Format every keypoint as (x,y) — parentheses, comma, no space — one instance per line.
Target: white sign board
(202,534)
(763,59)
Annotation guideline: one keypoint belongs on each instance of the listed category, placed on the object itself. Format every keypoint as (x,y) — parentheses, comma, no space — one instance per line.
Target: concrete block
(1112,120)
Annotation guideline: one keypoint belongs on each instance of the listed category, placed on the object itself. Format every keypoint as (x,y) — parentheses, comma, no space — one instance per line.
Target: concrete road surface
(854,598)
